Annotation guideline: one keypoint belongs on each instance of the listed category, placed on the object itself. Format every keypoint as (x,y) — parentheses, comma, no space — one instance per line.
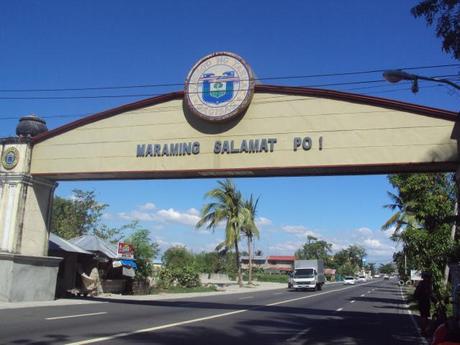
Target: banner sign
(125,250)
(415,275)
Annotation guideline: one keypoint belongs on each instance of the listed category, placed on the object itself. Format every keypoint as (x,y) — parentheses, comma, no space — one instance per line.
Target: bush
(273,278)
(184,277)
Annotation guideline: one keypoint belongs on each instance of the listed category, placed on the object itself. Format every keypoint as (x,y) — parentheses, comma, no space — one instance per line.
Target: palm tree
(250,229)
(402,219)
(227,206)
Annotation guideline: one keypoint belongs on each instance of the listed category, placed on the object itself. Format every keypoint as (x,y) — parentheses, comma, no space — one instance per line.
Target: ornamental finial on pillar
(30,126)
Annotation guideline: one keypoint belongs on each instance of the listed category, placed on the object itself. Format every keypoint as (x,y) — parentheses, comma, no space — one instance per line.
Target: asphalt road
(368,313)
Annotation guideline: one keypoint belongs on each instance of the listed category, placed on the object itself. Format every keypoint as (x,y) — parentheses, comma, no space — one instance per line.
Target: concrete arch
(348,134)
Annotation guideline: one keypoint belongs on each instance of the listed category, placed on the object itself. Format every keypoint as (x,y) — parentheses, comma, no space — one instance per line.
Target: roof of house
(330,271)
(281,258)
(95,244)
(56,243)
(254,258)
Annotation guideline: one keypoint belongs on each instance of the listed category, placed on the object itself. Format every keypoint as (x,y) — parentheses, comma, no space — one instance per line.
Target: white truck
(307,274)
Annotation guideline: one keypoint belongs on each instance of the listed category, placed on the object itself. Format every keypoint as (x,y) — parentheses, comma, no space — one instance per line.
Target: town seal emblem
(219,87)
(10,158)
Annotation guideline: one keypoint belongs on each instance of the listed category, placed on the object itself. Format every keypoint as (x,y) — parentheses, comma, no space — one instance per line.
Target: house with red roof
(279,263)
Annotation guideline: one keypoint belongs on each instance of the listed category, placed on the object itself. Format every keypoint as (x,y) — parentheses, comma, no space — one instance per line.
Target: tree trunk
(456,223)
(250,260)
(237,255)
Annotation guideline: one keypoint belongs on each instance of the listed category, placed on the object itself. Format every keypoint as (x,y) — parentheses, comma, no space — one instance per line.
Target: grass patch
(184,290)
(412,303)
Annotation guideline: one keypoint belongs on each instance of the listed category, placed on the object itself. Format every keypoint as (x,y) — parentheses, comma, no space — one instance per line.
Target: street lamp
(395,76)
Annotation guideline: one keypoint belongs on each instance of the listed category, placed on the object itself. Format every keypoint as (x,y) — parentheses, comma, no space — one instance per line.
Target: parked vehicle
(361,279)
(349,280)
(386,277)
(376,275)
(308,274)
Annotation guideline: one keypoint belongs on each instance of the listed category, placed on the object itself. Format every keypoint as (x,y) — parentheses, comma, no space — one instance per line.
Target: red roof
(281,258)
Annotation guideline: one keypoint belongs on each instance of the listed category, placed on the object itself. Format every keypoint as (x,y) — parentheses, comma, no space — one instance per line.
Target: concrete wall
(27,278)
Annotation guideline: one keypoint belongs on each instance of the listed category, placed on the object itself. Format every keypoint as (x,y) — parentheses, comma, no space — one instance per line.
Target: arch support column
(28,273)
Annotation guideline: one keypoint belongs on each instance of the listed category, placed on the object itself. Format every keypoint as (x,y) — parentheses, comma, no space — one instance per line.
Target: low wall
(117,286)
(28,278)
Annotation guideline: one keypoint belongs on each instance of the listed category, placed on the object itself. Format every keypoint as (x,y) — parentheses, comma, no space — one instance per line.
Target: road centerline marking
(180,323)
(72,316)
(340,309)
(362,295)
(248,297)
(352,301)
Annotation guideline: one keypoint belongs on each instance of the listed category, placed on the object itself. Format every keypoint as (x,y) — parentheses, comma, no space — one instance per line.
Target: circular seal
(10,158)
(219,87)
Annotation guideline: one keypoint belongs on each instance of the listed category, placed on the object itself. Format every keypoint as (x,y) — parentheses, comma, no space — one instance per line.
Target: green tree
(370,267)
(314,249)
(347,269)
(250,229)
(208,262)
(177,257)
(387,268)
(356,254)
(227,206)
(349,261)
(427,246)
(145,250)
(445,13)
(81,215)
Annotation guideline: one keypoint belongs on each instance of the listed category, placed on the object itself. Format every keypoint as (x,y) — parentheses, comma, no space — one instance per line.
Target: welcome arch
(285,131)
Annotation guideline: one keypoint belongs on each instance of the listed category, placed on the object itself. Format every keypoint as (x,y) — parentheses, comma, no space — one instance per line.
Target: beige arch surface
(350,134)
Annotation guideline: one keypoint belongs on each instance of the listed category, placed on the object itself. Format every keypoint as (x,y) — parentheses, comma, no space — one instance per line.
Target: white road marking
(421,339)
(362,295)
(369,291)
(175,324)
(248,297)
(278,293)
(151,329)
(296,337)
(353,301)
(340,309)
(71,316)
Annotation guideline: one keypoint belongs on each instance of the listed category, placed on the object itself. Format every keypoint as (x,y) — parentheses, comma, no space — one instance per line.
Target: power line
(159,94)
(336,74)
(174,108)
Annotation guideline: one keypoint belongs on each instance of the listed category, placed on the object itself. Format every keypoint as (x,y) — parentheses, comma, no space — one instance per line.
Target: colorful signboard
(125,250)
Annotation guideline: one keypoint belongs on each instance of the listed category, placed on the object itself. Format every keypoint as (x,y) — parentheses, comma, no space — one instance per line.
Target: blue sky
(84,44)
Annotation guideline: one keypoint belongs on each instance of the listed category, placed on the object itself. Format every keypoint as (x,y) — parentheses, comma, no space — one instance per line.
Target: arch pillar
(25,212)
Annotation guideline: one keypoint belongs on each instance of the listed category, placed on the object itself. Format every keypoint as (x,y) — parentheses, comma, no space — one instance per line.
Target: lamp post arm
(445,81)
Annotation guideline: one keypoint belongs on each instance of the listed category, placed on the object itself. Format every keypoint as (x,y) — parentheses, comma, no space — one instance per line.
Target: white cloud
(137,215)
(372,243)
(193,211)
(147,206)
(171,215)
(149,213)
(287,248)
(364,231)
(390,231)
(107,216)
(261,221)
(299,231)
